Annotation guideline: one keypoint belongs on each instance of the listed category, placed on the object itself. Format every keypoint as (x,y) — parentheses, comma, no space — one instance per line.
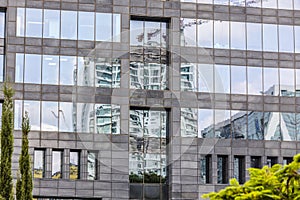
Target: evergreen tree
(7,139)
(278,182)
(24,183)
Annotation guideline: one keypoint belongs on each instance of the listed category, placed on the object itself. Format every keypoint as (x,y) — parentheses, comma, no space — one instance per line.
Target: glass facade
(92,163)
(57,164)
(69,117)
(39,163)
(68,70)
(2,42)
(74,166)
(69,25)
(232,79)
(253,125)
(239,35)
(148,55)
(147,154)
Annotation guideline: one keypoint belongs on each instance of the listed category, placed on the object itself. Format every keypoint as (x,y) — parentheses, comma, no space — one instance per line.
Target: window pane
(221,33)
(297,4)
(103,26)
(66,117)
(19,67)
(51,23)
(152,31)
(92,166)
(239,168)
(222,169)
(56,164)
(136,33)
(86,26)
(49,116)
(222,124)
(238,36)
(116,27)
(116,116)
(34,22)
(238,80)
(116,73)
(205,1)
(1,68)
(269,4)
(206,123)
(103,118)
(189,28)
(20,21)
(205,169)
(239,124)
(39,164)
(69,25)
(297,82)
(221,2)
(2,24)
(270,38)
(189,122)
(255,80)
(86,71)
(255,161)
(271,81)
(255,125)
(288,126)
(18,115)
(251,3)
(50,69)
(222,79)
(68,70)
(32,68)
(205,78)
(164,35)
(287,81)
(285,4)
(85,119)
(286,38)
(272,126)
(103,76)
(237,2)
(74,165)
(188,77)
(297,38)
(33,109)
(205,33)
(254,36)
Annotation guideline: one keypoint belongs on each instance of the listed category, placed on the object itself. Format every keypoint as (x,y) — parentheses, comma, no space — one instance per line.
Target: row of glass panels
(67,70)
(240,79)
(274,4)
(209,123)
(70,25)
(69,117)
(240,35)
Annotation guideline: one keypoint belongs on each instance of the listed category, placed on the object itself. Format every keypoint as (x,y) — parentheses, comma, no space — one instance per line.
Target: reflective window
(239,169)
(34,22)
(254,36)
(221,34)
(92,165)
(272,127)
(108,73)
(67,120)
(85,71)
(20,22)
(19,71)
(189,122)
(189,31)
(69,25)
(222,169)
(103,26)
(57,162)
(270,38)
(188,73)
(255,80)
(32,64)
(206,169)
(286,38)
(269,4)
(33,110)
(238,35)
(239,124)
(39,164)
(271,81)
(67,67)
(85,117)
(236,2)
(136,33)
(255,125)
(221,2)
(222,79)
(51,24)
(74,166)
(222,126)
(288,126)
(206,123)
(285,4)
(287,160)
(297,38)
(147,153)
(86,24)
(107,118)
(238,80)
(297,4)
(1,68)
(287,81)
(50,69)
(297,82)
(271,161)
(116,27)
(49,116)
(253,3)
(205,33)
(2,24)
(205,78)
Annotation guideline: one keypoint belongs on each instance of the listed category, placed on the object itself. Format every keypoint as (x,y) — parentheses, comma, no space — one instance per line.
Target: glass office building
(151,99)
